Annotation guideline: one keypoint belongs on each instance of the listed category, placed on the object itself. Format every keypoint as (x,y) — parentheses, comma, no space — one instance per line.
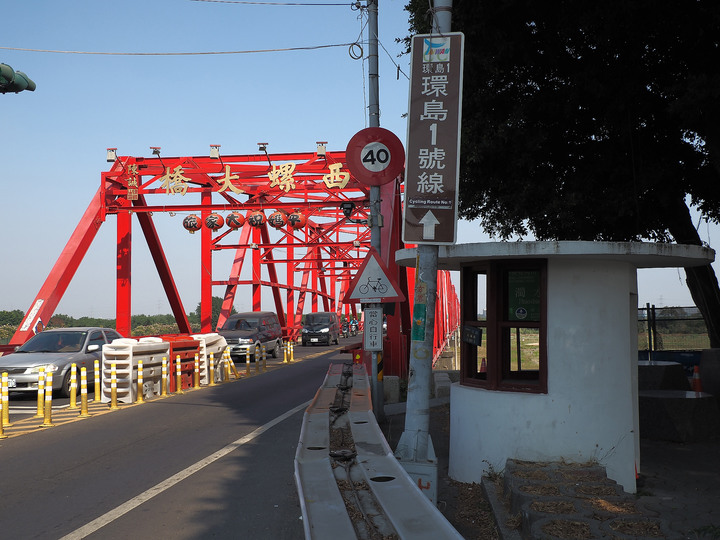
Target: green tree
(592,121)
(217,302)
(13,317)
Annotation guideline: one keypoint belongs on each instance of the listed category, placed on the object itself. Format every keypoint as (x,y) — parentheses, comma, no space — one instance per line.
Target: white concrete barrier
(125,354)
(214,344)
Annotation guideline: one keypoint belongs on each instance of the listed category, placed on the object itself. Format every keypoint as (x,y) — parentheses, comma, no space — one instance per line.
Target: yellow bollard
(5,400)
(226,364)
(113,387)
(212,369)
(73,386)
(285,352)
(292,352)
(164,378)
(257,359)
(178,376)
(96,373)
(83,393)
(264,359)
(48,401)
(2,428)
(247,360)
(196,372)
(140,383)
(41,392)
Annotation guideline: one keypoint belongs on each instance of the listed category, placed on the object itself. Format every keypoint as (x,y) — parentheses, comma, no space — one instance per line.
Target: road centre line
(133,503)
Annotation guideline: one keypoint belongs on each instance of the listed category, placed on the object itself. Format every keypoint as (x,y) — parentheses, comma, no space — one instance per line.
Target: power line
(309,48)
(273,3)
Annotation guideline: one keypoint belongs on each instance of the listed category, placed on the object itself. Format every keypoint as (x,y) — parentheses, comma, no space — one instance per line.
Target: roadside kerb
(370,463)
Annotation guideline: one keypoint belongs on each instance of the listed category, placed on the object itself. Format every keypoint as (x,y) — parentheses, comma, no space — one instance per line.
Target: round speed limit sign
(375,156)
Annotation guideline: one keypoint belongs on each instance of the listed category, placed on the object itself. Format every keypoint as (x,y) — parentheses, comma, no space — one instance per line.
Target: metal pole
(415,446)
(378,398)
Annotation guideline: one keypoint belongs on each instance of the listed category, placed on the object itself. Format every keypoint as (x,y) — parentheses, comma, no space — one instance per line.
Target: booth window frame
(500,331)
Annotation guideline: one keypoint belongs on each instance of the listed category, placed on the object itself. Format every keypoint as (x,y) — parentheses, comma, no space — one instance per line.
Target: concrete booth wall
(590,410)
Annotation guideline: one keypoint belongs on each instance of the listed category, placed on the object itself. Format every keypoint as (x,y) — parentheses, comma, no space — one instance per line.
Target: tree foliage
(591,121)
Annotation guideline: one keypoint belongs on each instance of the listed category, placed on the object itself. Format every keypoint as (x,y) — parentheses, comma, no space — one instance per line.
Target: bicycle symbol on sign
(375,284)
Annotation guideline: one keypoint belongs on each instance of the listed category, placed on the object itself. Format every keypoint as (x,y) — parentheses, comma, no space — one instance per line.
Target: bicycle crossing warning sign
(373,284)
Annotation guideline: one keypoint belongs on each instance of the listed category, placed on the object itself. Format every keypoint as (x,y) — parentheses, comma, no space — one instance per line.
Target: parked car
(244,331)
(321,327)
(56,350)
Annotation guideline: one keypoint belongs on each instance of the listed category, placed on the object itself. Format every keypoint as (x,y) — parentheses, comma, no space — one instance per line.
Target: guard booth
(549,363)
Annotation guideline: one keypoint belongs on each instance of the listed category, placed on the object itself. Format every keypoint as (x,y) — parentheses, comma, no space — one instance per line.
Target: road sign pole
(415,450)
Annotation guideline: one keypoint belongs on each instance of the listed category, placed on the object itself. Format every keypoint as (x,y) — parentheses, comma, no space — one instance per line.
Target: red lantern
(214,221)
(256,218)
(192,223)
(235,220)
(277,219)
(297,220)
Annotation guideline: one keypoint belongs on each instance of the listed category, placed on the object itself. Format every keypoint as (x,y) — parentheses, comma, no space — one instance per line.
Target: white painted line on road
(133,503)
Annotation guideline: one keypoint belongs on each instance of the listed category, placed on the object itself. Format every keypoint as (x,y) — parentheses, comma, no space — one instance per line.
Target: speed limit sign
(375,156)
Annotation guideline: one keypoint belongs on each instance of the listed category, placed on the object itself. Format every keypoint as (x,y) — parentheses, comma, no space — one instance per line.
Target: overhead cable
(309,48)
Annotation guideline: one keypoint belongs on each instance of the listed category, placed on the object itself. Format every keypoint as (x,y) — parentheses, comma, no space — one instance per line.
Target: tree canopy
(591,121)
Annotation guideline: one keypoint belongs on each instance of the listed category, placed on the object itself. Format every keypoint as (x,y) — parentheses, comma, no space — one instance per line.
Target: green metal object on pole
(14,81)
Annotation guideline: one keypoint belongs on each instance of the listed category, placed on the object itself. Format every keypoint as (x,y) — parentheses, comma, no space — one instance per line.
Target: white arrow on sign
(429,222)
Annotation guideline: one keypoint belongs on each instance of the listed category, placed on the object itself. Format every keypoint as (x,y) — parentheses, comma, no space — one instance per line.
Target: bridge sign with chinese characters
(433,143)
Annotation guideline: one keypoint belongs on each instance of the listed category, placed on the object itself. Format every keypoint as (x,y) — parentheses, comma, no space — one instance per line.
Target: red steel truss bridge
(279,214)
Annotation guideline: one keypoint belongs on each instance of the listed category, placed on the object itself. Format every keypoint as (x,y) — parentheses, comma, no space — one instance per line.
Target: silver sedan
(55,350)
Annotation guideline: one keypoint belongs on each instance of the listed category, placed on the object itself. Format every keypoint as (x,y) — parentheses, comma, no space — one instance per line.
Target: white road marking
(133,503)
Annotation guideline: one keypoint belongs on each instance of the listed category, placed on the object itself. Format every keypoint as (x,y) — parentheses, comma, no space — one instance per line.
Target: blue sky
(54,140)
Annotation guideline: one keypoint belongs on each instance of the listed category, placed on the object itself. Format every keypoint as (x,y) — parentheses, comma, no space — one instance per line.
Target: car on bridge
(56,350)
(244,332)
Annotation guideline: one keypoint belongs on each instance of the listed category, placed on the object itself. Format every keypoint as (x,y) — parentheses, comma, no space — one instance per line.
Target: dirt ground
(463,504)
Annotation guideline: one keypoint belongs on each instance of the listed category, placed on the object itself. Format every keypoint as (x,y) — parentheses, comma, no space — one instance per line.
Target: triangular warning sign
(373,284)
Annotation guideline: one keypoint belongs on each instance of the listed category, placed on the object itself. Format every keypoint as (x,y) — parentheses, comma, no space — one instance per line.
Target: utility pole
(378,398)
(415,450)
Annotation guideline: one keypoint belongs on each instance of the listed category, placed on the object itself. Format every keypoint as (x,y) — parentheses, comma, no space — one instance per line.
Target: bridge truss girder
(320,259)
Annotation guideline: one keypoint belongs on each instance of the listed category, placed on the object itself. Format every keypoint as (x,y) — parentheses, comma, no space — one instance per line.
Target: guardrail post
(212,370)
(96,372)
(196,372)
(83,393)
(140,382)
(73,386)
(48,401)
(113,386)
(164,378)
(5,400)
(178,376)
(41,393)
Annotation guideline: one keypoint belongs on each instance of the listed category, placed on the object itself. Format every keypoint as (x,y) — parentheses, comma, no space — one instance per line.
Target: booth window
(503,334)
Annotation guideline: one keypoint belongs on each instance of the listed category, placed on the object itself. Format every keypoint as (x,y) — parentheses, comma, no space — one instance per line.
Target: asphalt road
(214,462)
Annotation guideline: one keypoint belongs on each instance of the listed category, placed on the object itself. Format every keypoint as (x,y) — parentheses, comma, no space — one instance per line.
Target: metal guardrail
(350,483)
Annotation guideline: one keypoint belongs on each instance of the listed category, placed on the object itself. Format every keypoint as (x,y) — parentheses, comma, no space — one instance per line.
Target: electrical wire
(273,3)
(309,48)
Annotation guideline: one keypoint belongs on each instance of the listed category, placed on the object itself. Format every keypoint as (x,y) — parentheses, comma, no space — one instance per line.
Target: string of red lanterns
(255,218)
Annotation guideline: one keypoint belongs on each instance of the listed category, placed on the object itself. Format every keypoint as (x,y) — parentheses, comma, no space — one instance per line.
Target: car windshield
(318,319)
(54,342)
(240,324)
